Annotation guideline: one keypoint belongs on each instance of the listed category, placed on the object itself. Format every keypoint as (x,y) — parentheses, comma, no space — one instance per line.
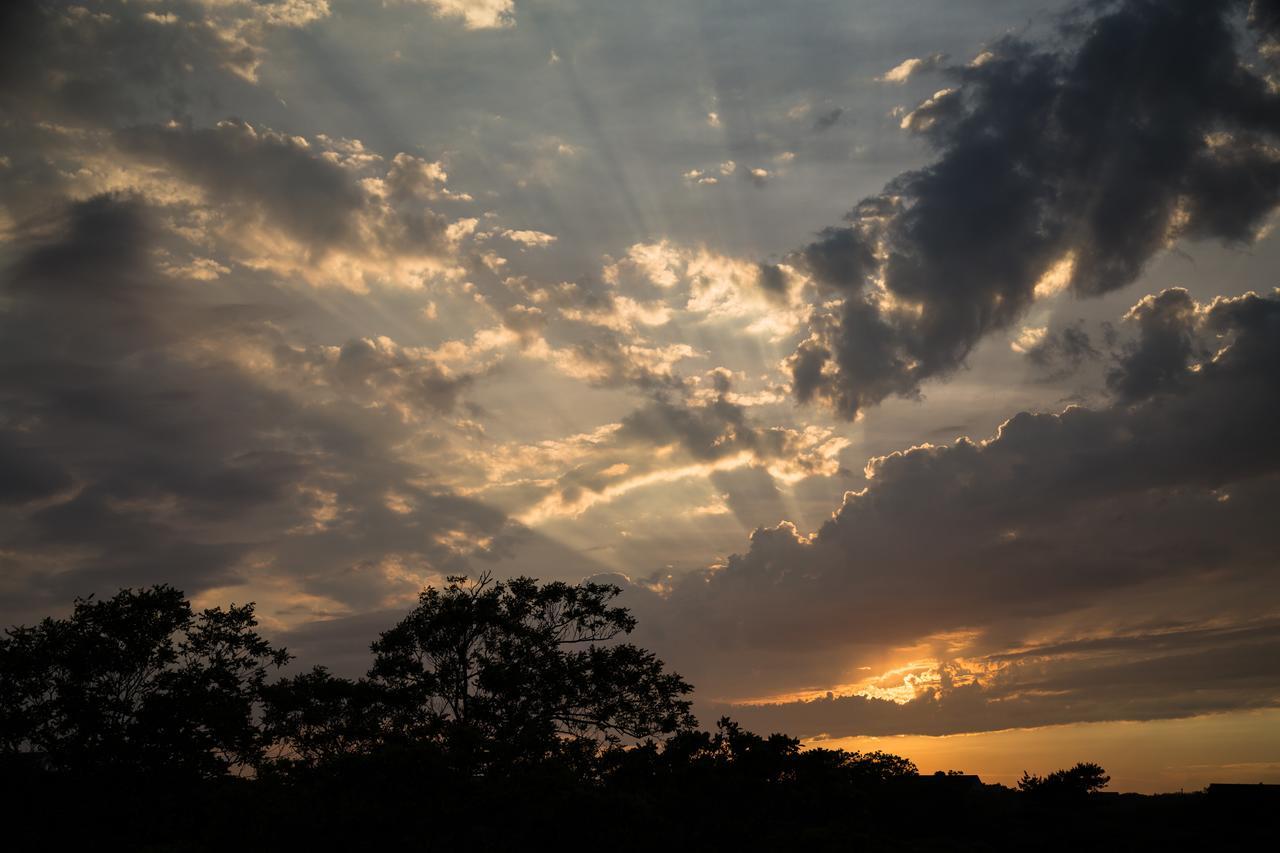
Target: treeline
(496,715)
(486,677)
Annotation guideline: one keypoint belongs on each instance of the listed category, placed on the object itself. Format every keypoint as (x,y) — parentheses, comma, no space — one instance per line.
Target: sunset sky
(913,366)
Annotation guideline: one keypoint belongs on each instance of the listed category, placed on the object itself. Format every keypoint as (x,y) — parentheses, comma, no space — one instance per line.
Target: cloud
(379,372)
(1056,353)
(1061,166)
(528,237)
(311,197)
(828,119)
(117,117)
(1088,522)
(714,285)
(476,14)
(1176,671)
(905,70)
(150,434)
(668,439)
(146,51)
(607,357)
(622,314)
(617,329)
(1167,343)
(328,210)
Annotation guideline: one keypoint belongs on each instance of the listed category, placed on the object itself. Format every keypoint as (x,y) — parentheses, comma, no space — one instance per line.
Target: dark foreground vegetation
(496,716)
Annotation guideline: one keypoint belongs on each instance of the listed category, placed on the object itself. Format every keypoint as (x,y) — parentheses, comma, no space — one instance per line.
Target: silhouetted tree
(317,717)
(817,766)
(733,752)
(1078,781)
(137,681)
(517,671)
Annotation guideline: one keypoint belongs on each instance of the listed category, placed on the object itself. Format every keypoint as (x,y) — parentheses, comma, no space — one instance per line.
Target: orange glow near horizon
(1144,757)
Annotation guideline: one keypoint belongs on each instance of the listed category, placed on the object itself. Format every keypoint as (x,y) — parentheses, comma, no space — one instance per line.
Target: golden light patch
(1057,277)
(1239,746)
(623,315)
(282,602)
(321,507)
(477,14)
(398,503)
(555,506)
(407,574)
(920,119)
(1029,338)
(901,72)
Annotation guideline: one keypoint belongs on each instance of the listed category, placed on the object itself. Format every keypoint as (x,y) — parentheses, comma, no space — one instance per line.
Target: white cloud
(903,71)
(529,237)
(479,14)
(1029,338)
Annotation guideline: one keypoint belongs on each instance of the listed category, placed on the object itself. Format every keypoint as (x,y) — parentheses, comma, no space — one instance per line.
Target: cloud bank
(1060,166)
(1088,522)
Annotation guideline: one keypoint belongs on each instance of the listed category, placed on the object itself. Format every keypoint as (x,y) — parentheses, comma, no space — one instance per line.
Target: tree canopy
(526,668)
(1081,780)
(137,681)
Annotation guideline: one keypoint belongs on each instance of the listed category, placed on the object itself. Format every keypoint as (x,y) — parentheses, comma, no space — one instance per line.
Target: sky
(913,367)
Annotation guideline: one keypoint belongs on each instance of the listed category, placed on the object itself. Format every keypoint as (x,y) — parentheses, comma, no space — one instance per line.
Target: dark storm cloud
(1158,359)
(136,449)
(1175,481)
(1144,124)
